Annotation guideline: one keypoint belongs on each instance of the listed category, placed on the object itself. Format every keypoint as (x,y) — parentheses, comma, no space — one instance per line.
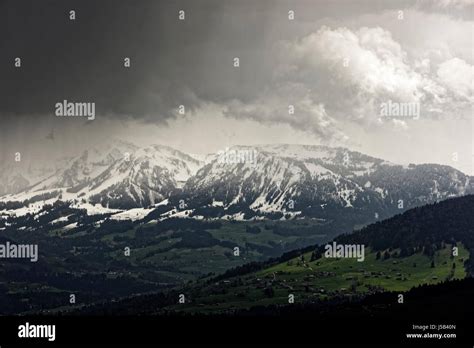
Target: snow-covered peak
(299,152)
(268,178)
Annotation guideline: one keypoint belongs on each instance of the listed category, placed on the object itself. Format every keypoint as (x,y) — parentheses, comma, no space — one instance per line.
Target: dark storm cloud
(173,62)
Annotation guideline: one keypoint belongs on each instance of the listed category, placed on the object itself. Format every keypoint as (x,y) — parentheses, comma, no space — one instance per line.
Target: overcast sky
(337,62)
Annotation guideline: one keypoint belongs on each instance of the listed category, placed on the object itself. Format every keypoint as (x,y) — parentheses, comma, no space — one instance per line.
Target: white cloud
(337,102)
(457,76)
(273,107)
(377,65)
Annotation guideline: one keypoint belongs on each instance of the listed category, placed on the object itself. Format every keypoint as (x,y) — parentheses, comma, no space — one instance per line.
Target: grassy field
(158,251)
(160,257)
(325,278)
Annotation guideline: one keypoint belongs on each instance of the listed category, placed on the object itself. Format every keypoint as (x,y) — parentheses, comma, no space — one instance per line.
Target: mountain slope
(317,181)
(119,175)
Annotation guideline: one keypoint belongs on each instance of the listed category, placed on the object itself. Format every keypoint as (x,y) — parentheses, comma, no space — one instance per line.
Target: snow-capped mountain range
(316,180)
(282,181)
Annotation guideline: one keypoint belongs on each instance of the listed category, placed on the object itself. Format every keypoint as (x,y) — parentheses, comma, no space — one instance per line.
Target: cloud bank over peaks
(336,76)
